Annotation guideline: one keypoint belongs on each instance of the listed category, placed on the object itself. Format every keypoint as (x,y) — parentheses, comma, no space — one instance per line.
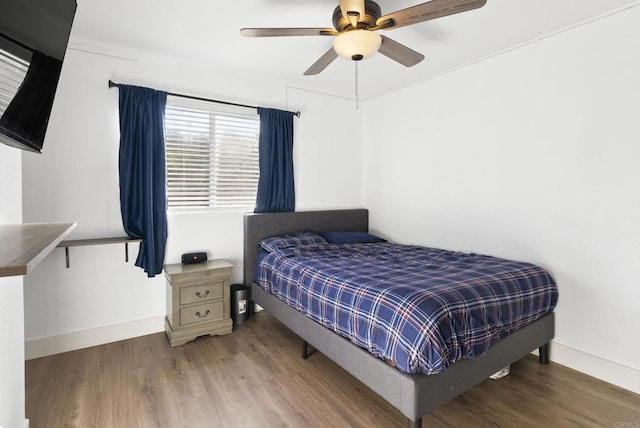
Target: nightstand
(197,300)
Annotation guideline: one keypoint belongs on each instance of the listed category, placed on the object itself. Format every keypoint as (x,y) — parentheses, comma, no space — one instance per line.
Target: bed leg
(543,351)
(415,424)
(305,349)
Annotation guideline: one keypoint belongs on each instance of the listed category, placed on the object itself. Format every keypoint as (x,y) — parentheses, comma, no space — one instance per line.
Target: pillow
(302,238)
(350,237)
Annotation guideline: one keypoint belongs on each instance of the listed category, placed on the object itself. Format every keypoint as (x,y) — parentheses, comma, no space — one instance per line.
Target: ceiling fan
(355,24)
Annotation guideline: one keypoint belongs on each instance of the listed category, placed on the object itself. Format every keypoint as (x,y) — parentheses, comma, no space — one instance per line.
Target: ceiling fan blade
(399,52)
(284,32)
(322,63)
(427,11)
(356,6)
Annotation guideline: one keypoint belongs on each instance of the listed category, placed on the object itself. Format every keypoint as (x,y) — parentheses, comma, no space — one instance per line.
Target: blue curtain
(276,190)
(143,194)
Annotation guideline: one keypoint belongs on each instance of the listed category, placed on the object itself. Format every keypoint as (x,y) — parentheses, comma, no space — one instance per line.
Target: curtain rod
(113,84)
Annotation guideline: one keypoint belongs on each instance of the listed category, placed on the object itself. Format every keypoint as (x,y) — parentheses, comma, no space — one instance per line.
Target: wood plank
(23,246)
(255,377)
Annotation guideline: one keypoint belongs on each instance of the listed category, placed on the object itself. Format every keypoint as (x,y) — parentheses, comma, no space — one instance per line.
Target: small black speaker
(191,258)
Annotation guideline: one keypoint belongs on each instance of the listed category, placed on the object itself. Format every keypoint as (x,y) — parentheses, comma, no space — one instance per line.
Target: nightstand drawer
(201,313)
(202,293)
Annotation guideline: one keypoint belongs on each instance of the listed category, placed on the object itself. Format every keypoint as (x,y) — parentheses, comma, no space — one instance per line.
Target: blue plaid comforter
(421,309)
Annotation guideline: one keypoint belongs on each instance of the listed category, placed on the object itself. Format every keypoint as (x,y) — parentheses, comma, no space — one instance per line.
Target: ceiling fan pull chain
(357,100)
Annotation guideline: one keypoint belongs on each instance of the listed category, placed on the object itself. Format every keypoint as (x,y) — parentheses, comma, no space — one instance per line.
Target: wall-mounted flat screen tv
(33,40)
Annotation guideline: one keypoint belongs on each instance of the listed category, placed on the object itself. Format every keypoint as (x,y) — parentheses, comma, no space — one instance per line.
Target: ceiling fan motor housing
(372,12)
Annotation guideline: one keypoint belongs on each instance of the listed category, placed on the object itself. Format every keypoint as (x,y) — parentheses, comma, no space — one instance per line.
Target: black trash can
(240,304)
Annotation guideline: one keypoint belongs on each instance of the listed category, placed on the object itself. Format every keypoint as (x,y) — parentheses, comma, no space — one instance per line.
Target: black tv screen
(33,40)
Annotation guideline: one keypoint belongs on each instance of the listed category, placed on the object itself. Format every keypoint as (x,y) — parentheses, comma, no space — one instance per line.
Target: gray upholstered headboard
(264,225)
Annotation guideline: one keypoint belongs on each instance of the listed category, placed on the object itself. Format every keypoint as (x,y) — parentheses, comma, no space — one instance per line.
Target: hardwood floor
(255,377)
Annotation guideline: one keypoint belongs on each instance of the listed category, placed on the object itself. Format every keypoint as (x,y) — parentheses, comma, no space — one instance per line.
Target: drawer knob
(199,315)
(202,296)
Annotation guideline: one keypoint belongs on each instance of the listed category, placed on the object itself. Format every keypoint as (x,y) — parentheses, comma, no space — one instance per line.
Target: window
(212,155)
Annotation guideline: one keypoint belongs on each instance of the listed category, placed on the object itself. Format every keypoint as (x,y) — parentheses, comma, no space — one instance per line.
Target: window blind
(212,158)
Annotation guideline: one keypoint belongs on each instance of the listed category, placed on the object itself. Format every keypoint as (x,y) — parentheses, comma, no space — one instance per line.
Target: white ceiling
(208,32)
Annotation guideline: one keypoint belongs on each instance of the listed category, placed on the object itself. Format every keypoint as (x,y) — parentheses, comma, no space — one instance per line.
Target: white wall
(531,155)
(12,384)
(76,179)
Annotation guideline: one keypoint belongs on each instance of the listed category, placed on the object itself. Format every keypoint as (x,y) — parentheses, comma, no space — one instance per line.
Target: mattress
(420,309)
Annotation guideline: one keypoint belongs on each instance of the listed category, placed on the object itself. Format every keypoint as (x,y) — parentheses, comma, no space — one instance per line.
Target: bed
(413,394)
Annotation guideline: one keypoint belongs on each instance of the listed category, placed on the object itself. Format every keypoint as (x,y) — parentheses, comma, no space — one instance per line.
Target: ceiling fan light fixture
(357,44)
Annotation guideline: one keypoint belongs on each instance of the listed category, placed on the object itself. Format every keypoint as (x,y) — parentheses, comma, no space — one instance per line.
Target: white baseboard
(42,347)
(608,371)
(26,423)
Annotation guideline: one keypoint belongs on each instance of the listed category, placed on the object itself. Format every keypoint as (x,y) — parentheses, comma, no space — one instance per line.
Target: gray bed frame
(414,395)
